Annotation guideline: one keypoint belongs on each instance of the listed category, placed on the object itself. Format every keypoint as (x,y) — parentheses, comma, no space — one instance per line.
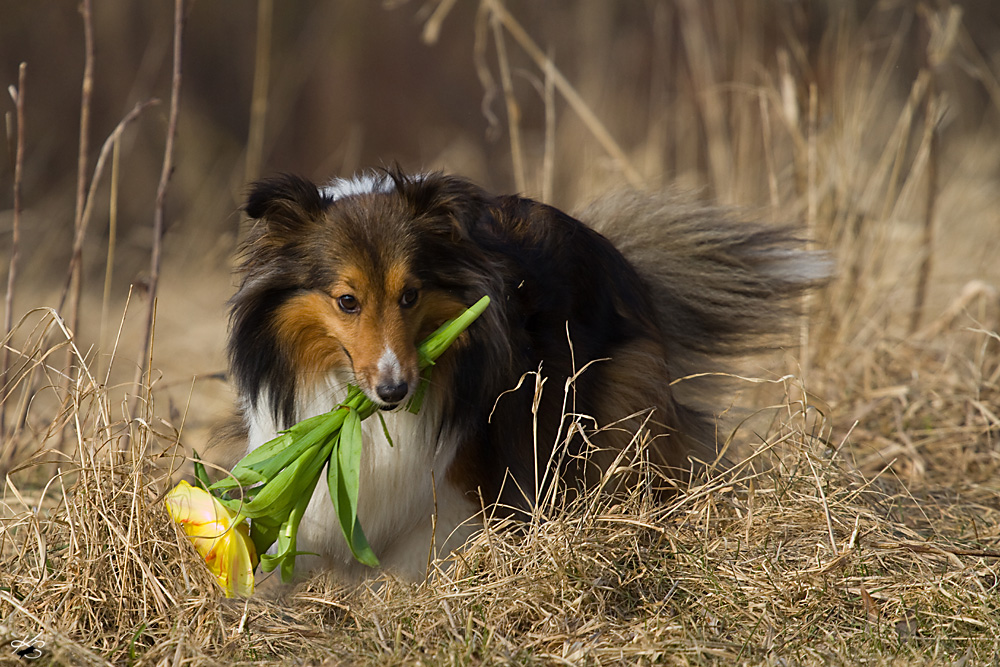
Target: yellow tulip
(225,545)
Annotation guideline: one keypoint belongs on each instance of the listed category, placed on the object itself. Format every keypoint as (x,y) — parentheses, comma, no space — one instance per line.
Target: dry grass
(812,552)
(860,524)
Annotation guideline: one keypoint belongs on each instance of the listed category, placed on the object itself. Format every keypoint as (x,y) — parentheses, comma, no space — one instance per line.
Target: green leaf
(200,474)
(285,559)
(417,400)
(287,536)
(385,429)
(439,341)
(343,478)
(360,549)
(264,532)
(131,644)
(268,460)
(245,472)
(338,494)
(278,496)
(349,456)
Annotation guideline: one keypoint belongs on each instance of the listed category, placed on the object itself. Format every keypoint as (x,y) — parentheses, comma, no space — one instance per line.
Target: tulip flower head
(212,528)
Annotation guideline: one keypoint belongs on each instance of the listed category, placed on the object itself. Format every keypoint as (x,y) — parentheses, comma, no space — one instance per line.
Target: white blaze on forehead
(360,184)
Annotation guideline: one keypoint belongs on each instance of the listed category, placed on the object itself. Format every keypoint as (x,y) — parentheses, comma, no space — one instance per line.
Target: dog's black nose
(392,393)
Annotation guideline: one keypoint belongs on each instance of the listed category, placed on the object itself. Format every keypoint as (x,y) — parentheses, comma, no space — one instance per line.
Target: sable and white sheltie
(339,284)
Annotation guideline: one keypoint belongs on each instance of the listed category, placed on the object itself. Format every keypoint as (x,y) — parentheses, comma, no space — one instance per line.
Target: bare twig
(112,241)
(15,244)
(513,111)
(102,158)
(81,164)
(75,283)
(923,548)
(9,128)
(812,213)
(589,118)
(261,82)
(768,150)
(483,68)
(974,290)
(549,157)
(161,190)
(940,41)
(930,206)
(701,59)
(977,65)
(826,508)
(432,28)
(892,162)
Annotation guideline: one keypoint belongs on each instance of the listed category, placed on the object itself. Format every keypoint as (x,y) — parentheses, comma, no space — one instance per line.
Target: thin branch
(102,158)
(15,243)
(161,190)
(930,208)
(549,156)
(768,146)
(75,284)
(707,97)
(112,241)
(513,111)
(941,34)
(261,82)
(483,69)
(572,97)
(81,164)
(432,29)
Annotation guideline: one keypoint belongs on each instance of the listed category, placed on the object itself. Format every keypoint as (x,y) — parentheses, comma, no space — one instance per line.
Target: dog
(338,285)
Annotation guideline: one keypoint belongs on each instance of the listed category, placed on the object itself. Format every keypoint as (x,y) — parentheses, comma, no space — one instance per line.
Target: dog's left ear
(286,204)
(450,205)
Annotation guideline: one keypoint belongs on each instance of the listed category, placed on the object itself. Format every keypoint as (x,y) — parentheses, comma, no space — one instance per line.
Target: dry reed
(15,241)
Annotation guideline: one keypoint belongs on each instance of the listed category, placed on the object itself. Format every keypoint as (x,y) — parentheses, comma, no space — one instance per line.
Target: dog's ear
(286,204)
(447,204)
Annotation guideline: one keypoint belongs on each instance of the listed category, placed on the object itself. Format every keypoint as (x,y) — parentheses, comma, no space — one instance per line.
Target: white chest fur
(406,506)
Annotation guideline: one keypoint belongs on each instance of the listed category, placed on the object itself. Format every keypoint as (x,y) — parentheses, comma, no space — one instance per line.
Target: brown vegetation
(860,522)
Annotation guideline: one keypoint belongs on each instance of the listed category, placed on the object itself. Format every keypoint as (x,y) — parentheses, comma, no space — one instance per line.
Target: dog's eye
(348,303)
(408,298)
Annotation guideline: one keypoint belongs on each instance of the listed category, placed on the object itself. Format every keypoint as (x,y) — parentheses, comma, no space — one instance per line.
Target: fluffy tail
(722,285)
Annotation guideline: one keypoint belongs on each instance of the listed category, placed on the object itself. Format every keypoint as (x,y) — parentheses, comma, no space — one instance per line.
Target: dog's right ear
(286,204)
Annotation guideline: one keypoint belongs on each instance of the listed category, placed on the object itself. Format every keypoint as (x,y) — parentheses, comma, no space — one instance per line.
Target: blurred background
(872,124)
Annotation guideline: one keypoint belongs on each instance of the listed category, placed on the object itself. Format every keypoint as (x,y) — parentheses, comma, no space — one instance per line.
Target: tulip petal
(225,545)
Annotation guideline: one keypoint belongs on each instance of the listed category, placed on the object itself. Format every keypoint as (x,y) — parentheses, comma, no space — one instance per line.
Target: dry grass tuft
(800,560)
(815,550)
(91,560)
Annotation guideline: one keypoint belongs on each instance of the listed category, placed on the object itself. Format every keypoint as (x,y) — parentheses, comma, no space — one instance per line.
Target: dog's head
(349,279)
